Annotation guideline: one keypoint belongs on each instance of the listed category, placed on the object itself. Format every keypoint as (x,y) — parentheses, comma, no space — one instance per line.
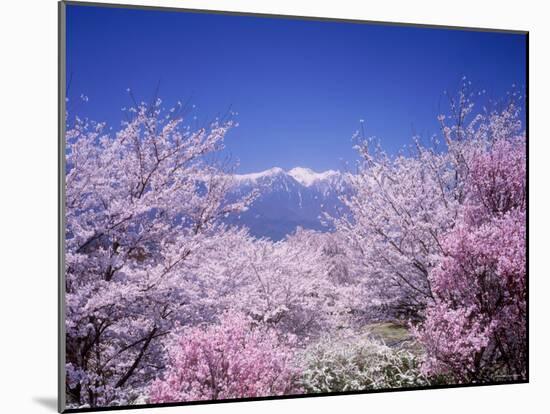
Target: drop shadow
(47,402)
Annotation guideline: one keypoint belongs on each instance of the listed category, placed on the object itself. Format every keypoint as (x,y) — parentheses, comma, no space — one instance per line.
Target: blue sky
(299,87)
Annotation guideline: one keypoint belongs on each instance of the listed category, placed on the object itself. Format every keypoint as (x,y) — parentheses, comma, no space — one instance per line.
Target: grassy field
(393,335)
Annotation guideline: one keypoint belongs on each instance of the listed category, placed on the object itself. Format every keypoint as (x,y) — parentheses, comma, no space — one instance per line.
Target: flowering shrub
(229,360)
(361,365)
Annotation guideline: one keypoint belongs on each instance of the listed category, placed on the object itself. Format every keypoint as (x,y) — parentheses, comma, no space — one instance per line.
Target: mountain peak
(307,176)
(304,176)
(255,176)
(288,199)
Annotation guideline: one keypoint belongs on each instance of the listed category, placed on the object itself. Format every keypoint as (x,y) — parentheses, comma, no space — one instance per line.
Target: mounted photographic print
(260,206)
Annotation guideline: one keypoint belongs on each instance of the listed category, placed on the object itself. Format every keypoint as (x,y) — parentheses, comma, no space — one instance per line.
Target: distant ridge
(288,199)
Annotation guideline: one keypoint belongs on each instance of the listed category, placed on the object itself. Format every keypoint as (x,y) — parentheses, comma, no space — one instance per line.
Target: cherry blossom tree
(288,286)
(403,206)
(343,284)
(476,329)
(139,204)
(399,209)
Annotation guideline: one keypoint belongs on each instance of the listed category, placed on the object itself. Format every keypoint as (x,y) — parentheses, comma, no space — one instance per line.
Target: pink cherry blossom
(232,359)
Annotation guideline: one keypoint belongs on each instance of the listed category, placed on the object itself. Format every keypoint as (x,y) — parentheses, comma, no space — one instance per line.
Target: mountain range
(288,199)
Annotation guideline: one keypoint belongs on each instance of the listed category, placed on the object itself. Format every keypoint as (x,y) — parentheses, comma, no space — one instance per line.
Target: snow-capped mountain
(288,199)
